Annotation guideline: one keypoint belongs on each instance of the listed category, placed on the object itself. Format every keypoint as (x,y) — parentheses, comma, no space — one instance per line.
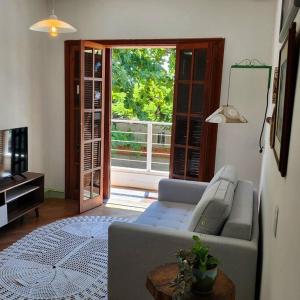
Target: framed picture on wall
(275,86)
(289,9)
(288,60)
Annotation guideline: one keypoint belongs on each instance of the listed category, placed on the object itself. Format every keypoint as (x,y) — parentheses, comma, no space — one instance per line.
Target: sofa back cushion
(228,173)
(239,223)
(213,208)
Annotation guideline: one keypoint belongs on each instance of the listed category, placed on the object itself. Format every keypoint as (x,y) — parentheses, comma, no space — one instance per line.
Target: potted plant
(197,270)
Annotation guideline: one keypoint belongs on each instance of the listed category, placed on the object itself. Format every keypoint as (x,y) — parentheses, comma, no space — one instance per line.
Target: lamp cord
(53,7)
(229,81)
(261,147)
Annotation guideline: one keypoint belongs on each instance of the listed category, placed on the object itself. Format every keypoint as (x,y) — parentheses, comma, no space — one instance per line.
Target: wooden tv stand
(20,196)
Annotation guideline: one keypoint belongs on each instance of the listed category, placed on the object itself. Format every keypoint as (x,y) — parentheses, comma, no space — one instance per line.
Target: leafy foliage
(196,258)
(142,86)
(203,261)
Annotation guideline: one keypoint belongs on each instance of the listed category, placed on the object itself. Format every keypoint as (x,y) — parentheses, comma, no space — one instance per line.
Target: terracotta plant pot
(205,281)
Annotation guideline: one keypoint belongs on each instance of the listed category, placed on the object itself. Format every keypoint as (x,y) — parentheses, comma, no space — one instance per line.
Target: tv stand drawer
(3,215)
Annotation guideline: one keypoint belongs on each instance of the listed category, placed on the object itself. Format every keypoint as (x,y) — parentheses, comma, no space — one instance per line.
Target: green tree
(142,86)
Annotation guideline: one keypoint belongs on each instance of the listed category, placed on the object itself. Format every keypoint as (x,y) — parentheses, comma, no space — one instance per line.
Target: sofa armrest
(174,190)
(134,250)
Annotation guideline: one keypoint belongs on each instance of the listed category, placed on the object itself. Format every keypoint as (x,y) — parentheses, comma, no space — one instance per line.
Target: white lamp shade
(226,114)
(53,22)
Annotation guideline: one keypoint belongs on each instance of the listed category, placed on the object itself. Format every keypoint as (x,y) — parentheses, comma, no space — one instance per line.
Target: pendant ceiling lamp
(227,113)
(53,25)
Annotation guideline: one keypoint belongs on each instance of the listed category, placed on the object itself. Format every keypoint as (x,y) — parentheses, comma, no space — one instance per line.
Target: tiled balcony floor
(131,199)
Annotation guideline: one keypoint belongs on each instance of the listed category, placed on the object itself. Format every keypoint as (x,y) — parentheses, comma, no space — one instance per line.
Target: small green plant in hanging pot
(197,271)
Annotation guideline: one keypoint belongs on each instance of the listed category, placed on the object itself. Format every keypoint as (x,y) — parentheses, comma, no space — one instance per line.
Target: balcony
(140,153)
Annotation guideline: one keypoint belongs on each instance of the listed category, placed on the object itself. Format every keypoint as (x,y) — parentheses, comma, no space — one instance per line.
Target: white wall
(281,264)
(22,72)
(247,26)
(239,144)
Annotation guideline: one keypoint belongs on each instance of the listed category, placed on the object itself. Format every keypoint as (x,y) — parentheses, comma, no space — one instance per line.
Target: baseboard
(54,194)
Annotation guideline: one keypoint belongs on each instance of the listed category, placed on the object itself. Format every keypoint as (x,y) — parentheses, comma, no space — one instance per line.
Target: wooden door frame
(107,125)
(218,45)
(68,116)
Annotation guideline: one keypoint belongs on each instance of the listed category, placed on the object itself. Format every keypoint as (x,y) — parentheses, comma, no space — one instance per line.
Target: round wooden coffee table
(159,285)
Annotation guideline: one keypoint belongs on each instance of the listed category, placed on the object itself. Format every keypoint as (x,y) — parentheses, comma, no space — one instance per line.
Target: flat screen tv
(13,152)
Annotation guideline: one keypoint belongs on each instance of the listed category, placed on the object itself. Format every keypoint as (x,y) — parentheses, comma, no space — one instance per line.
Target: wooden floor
(55,209)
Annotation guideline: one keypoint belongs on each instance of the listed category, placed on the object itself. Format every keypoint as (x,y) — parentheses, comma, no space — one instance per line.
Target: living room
(253,37)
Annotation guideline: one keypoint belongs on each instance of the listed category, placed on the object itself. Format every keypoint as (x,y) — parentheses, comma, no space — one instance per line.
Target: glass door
(92,124)
(196,95)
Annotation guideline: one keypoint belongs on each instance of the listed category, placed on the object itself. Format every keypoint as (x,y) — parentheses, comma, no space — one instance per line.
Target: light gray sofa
(224,213)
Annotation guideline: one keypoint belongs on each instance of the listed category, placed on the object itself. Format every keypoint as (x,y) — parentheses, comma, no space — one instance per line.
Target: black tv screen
(13,152)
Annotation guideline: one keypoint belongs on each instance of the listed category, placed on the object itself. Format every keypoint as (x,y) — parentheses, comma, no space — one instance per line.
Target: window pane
(181,129)
(88,94)
(87,156)
(193,163)
(96,183)
(185,64)
(98,94)
(97,125)
(195,132)
(183,98)
(197,98)
(88,62)
(199,64)
(97,155)
(179,161)
(87,132)
(87,186)
(98,63)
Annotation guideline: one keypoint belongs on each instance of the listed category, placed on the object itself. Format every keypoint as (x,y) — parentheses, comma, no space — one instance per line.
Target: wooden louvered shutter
(196,95)
(92,128)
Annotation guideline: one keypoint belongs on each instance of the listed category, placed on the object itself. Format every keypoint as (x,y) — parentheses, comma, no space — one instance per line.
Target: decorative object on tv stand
(197,270)
(228,113)
(282,120)
(289,9)
(53,25)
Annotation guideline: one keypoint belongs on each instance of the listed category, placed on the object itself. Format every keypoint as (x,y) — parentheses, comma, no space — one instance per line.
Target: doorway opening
(141,125)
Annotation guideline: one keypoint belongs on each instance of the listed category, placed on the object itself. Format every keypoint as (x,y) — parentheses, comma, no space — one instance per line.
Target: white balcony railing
(141,145)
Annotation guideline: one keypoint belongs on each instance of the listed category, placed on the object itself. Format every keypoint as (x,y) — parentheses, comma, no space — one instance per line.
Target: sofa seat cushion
(227,173)
(167,214)
(239,223)
(213,208)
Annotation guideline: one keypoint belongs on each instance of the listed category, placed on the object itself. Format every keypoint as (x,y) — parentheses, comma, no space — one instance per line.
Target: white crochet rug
(64,260)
